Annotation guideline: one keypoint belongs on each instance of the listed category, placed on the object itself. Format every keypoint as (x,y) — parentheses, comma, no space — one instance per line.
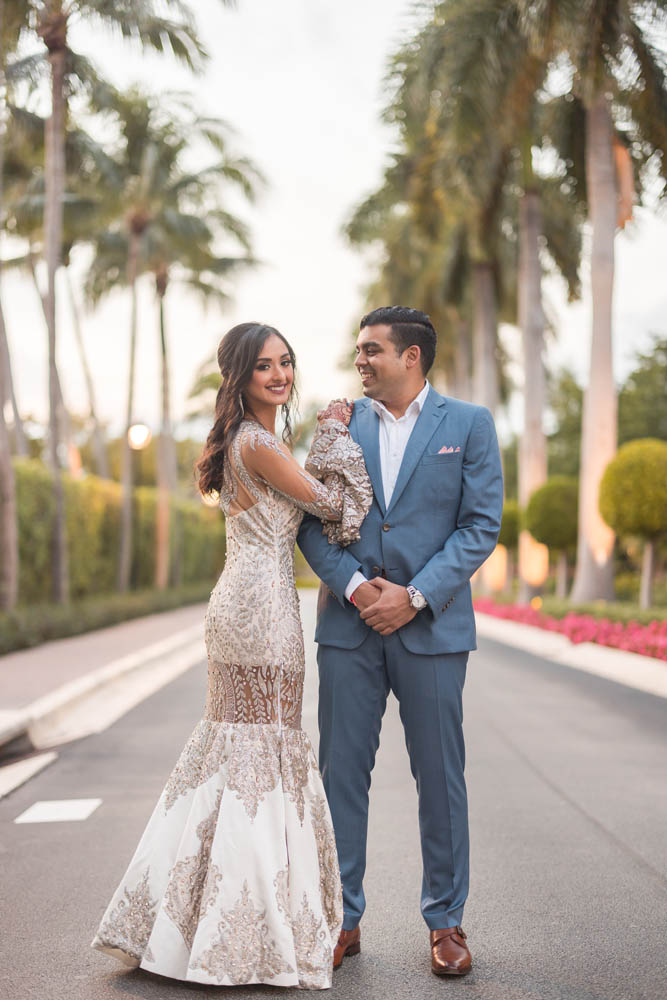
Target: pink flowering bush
(648,640)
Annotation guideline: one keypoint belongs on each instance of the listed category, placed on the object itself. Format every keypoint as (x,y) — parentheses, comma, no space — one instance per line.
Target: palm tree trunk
(53,31)
(125,561)
(65,433)
(165,469)
(9,547)
(594,572)
(646,585)
(99,446)
(461,382)
(532,443)
(511,570)
(7,388)
(485,389)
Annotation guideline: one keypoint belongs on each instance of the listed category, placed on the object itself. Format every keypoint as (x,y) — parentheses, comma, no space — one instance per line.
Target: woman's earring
(241,404)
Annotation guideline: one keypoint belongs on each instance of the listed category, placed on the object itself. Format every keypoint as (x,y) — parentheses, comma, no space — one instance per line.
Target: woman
(235,879)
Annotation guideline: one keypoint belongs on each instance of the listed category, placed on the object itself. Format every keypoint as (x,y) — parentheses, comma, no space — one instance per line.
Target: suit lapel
(368,436)
(433,411)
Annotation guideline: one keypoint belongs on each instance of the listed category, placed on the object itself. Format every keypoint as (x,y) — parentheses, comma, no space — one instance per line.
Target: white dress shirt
(394,435)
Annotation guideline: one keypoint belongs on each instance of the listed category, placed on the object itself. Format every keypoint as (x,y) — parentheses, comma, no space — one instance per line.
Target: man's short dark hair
(408,327)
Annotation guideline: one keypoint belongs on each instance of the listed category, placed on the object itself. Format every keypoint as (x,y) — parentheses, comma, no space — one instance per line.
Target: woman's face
(273,377)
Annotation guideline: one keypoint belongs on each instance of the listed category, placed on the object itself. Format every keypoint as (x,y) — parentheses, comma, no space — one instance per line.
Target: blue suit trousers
(354,684)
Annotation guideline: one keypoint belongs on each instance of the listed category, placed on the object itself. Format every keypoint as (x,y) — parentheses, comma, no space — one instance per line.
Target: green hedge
(29,626)
(93,524)
(615,611)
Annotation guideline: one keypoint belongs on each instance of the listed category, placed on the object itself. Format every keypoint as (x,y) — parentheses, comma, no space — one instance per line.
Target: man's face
(382,369)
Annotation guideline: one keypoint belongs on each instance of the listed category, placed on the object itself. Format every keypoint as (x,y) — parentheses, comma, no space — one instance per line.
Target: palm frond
(135,23)
(32,68)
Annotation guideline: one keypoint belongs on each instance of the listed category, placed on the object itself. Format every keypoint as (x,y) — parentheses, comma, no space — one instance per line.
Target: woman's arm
(268,460)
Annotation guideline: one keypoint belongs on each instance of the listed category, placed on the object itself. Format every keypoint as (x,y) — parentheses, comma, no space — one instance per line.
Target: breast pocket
(442,458)
(440,478)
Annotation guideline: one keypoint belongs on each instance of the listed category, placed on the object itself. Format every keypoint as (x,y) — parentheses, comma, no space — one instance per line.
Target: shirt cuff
(355,582)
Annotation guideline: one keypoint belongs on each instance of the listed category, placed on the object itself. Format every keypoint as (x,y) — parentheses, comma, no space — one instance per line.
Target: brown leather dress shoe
(450,955)
(349,943)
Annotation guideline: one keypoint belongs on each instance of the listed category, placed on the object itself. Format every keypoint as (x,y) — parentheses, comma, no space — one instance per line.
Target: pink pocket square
(446,450)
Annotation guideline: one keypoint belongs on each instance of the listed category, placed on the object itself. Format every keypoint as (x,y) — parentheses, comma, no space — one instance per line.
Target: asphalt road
(567,783)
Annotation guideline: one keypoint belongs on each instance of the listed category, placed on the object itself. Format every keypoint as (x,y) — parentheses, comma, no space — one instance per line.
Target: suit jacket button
(375,570)
(385,527)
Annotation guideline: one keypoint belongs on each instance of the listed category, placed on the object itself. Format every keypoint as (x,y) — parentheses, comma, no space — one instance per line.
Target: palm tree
(420,226)
(474,52)
(166,222)
(134,19)
(10,24)
(618,76)
(98,435)
(88,168)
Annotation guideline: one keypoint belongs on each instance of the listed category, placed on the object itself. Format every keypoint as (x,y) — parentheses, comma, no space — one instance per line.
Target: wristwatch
(417,599)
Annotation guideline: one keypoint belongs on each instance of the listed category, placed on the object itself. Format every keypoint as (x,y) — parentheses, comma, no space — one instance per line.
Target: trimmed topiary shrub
(551,513)
(551,518)
(509,525)
(633,500)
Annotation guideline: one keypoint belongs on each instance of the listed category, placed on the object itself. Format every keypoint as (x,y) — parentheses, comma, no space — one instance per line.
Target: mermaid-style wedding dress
(235,879)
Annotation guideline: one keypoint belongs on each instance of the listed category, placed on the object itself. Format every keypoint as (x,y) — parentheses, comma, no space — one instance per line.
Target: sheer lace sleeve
(338,461)
(268,461)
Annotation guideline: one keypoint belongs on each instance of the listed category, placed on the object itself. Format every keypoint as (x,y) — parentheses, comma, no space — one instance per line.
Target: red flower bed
(648,640)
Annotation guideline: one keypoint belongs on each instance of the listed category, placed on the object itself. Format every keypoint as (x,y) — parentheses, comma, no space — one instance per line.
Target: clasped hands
(383,605)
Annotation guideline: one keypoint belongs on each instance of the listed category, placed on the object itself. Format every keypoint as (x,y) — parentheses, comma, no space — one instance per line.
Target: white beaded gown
(235,879)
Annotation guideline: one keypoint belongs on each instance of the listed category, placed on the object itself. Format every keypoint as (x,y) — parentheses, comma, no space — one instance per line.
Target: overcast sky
(302,82)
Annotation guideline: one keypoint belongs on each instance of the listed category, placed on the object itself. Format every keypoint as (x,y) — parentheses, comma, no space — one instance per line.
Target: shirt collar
(414,407)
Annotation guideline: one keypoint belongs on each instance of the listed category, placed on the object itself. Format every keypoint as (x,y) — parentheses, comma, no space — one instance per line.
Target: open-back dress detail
(235,879)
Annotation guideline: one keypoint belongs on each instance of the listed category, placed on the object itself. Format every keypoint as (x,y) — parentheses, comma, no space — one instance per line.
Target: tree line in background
(638,490)
(133,200)
(524,126)
(525,130)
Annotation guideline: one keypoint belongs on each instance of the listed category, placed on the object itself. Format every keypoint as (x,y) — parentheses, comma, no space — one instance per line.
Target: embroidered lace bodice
(253,628)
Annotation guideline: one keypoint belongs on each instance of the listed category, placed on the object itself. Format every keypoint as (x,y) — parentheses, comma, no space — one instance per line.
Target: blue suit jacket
(442,523)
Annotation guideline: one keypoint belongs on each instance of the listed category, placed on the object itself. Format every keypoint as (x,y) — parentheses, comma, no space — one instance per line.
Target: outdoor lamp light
(138,436)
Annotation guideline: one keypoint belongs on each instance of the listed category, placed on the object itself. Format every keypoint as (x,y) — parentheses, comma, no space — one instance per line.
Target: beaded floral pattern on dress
(129,925)
(200,759)
(243,949)
(184,902)
(327,856)
(313,952)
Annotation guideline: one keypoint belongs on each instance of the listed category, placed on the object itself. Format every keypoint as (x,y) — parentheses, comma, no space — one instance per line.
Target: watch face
(417,600)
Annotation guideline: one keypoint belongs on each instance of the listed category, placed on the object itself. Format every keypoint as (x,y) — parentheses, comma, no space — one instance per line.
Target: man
(395,613)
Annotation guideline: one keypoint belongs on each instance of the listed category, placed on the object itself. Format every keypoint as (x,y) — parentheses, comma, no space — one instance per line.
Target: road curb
(18,724)
(644,673)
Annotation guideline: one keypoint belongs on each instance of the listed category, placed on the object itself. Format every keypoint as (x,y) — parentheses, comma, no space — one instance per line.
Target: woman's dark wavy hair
(237,355)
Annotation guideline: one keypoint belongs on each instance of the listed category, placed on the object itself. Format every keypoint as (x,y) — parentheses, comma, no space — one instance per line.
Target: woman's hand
(338,409)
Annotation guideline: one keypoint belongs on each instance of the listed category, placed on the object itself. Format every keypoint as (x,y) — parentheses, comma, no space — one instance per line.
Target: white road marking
(14,775)
(59,810)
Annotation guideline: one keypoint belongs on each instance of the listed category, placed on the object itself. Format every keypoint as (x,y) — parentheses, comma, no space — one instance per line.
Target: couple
(237,877)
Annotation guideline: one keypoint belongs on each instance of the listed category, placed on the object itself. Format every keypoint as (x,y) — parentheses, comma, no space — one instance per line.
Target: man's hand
(365,595)
(391,610)
(337,409)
